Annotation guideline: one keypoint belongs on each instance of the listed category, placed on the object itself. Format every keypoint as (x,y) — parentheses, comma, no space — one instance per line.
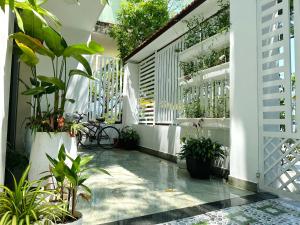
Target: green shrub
(203,149)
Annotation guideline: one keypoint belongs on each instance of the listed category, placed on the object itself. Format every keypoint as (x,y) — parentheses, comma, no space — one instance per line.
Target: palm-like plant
(71,178)
(28,203)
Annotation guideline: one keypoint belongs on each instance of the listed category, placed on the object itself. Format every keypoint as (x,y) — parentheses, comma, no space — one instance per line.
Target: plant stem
(74,197)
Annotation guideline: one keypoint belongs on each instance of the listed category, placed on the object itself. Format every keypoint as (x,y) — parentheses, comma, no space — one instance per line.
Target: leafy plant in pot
(200,153)
(28,203)
(129,138)
(37,40)
(69,176)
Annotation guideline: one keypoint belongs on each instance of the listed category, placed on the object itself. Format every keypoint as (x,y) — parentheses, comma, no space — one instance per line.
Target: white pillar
(130,94)
(243,91)
(5,71)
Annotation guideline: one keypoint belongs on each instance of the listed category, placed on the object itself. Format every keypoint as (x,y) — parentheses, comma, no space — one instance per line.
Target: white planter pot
(49,143)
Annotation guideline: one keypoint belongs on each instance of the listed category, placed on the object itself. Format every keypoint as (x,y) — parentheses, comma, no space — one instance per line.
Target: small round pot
(198,168)
(79,220)
(129,145)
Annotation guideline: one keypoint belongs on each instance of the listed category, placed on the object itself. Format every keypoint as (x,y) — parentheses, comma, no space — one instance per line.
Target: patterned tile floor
(267,212)
(142,184)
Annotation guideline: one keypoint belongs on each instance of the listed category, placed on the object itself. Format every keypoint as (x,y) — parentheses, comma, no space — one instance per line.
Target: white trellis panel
(147,90)
(105,92)
(168,93)
(279,138)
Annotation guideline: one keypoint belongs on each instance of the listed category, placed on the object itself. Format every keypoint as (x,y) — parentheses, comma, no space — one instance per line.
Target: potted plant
(129,138)
(28,203)
(69,176)
(49,93)
(200,153)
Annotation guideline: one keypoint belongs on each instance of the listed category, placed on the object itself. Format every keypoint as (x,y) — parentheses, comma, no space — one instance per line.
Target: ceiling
(82,16)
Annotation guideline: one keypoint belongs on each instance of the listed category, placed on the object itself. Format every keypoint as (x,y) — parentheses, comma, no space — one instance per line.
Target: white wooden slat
(297,58)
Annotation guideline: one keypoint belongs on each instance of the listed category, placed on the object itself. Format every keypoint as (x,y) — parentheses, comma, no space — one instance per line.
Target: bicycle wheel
(108,137)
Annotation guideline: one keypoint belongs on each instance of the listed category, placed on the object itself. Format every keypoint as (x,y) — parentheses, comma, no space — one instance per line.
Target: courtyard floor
(144,185)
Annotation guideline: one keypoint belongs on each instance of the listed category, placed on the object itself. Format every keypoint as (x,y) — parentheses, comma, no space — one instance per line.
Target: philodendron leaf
(28,56)
(54,41)
(96,47)
(34,91)
(62,153)
(53,80)
(34,43)
(2,5)
(83,49)
(81,73)
(84,62)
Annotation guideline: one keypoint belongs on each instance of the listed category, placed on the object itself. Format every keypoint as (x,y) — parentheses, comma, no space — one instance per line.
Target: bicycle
(107,136)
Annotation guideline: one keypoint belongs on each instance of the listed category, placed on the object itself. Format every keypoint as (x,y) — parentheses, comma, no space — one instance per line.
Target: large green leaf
(53,80)
(2,5)
(34,43)
(84,62)
(32,25)
(81,73)
(83,49)
(96,47)
(28,56)
(34,91)
(54,41)
(62,153)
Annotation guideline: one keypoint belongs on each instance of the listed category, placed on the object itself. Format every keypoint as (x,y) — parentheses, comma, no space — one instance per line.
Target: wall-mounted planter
(223,123)
(215,42)
(214,73)
(42,143)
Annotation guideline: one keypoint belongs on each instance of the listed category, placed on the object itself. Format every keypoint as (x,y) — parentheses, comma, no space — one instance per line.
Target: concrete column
(243,91)
(130,94)
(5,71)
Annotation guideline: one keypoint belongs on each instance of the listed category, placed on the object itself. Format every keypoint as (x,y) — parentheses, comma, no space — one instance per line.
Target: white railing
(105,92)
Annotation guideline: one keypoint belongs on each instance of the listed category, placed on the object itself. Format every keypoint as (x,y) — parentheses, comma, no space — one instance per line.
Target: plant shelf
(213,73)
(223,123)
(215,42)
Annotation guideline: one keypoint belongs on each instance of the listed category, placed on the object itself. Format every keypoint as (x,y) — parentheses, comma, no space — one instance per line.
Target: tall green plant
(71,178)
(28,203)
(39,39)
(137,20)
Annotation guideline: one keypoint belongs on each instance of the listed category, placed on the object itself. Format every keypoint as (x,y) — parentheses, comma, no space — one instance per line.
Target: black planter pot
(198,168)
(129,145)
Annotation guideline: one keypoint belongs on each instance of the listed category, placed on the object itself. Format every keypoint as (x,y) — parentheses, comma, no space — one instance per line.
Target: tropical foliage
(129,137)
(137,20)
(201,148)
(70,179)
(28,204)
(37,39)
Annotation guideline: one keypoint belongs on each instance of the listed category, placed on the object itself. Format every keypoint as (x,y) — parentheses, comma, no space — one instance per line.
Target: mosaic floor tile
(267,212)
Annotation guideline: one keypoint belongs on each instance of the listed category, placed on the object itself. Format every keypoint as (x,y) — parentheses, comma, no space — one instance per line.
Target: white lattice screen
(279,119)
(146,90)
(105,92)
(168,93)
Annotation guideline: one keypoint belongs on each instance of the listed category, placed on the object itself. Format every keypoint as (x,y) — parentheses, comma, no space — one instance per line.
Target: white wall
(5,71)
(161,138)
(130,94)
(243,91)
